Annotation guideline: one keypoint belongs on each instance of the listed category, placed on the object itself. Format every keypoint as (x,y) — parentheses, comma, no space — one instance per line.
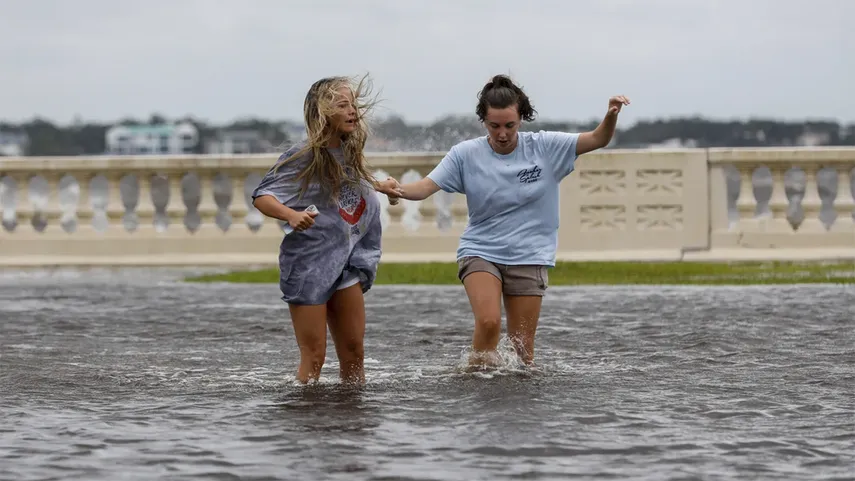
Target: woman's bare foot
(484,359)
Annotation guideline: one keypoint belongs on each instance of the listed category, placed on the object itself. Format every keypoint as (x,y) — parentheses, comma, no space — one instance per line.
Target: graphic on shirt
(351,204)
(527,176)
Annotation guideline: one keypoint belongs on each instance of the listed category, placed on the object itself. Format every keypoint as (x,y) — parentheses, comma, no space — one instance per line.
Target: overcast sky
(220,60)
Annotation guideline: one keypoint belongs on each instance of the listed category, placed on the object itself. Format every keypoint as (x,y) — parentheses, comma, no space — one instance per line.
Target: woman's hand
(616,103)
(391,188)
(302,220)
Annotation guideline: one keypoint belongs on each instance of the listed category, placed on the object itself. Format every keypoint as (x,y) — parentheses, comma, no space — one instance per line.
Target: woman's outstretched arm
(418,190)
(447,176)
(602,135)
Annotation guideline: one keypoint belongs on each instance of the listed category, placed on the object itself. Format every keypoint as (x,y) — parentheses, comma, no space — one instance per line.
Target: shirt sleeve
(448,174)
(560,149)
(281,183)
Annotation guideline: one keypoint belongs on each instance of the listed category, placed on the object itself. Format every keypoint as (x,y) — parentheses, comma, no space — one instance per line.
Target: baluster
(127,189)
(52,207)
(176,209)
(223,197)
(844,203)
(242,208)
(38,196)
(191,196)
(146,209)
(101,193)
(9,205)
(811,203)
(207,207)
(412,218)
(746,204)
(70,197)
(778,202)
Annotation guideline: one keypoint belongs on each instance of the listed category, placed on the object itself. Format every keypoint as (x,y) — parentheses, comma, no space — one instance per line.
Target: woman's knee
(488,323)
(353,350)
(310,331)
(313,346)
(313,350)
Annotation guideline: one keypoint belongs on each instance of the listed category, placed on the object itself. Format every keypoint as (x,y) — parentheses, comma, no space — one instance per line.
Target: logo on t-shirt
(527,176)
(351,204)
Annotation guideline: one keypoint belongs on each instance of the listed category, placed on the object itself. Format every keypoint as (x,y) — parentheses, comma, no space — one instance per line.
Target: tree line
(393,133)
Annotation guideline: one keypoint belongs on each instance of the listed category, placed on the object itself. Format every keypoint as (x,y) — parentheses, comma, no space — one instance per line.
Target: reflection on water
(124,374)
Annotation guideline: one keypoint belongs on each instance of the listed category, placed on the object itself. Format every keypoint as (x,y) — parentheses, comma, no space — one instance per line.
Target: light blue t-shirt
(512,199)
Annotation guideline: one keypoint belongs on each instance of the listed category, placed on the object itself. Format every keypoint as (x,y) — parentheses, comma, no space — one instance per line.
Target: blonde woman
(330,258)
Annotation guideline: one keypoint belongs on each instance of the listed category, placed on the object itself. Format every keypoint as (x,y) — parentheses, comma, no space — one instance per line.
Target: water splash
(502,362)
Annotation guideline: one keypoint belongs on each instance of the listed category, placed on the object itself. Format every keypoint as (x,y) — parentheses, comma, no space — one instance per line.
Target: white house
(179,138)
(238,142)
(13,144)
(293,131)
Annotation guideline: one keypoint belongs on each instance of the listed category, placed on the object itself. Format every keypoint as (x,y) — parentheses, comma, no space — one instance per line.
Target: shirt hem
(499,260)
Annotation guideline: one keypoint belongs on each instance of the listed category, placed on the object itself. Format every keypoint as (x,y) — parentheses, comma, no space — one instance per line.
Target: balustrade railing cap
(387,160)
(784,155)
(253,162)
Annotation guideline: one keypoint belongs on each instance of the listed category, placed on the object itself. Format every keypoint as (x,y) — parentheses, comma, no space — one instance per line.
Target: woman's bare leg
(523,315)
(346,317)
(310,328)
(485,296)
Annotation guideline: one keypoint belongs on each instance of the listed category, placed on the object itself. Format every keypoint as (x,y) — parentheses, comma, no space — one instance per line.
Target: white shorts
(349,279)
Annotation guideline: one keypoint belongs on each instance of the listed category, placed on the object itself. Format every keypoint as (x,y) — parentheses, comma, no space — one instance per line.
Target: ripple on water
(132,374)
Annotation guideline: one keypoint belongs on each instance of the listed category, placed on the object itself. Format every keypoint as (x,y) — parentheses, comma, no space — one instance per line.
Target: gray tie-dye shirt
(343,243)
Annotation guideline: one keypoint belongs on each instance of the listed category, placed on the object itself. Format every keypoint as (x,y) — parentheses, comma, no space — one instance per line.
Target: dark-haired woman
(510,179)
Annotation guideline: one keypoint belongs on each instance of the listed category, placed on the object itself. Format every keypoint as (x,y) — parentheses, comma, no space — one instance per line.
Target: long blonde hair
(318,109)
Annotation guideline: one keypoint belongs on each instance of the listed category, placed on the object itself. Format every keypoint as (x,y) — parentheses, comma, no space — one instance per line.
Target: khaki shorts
(524,280)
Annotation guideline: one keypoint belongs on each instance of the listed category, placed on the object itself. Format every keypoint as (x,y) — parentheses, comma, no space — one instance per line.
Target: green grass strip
(606,273)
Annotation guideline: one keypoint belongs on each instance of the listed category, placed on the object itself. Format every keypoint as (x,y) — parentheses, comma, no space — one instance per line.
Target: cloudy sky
(224,59)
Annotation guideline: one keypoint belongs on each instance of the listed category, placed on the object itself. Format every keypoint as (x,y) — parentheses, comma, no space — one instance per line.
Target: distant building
(813,139)
(238,142)
(673,143)
(181,138)
(294,132)
(14,144)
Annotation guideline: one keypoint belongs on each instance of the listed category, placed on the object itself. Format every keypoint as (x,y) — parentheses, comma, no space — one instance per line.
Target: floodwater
(132,374)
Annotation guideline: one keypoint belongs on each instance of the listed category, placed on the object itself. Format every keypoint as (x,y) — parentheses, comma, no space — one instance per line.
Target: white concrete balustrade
(691,204)
(788,203)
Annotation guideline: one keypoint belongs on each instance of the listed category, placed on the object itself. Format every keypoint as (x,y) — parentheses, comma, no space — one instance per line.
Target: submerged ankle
(488,358)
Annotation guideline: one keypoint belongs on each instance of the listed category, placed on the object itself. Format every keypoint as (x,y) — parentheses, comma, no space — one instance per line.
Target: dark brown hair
(501,92)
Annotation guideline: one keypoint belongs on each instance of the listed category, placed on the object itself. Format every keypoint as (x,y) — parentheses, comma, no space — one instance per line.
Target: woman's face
(502,126)
(345,117)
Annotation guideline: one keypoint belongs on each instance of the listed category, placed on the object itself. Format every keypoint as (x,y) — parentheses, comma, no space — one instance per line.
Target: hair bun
(501,92)
(502,81)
